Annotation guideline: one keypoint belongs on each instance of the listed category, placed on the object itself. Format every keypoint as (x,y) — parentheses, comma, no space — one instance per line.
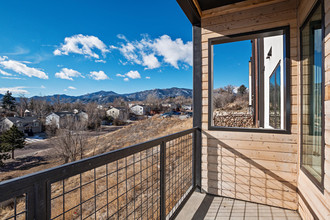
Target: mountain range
(102,97)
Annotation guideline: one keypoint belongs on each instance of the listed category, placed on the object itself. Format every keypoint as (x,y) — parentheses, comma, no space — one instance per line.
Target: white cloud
(129,51)
(173,51)
(18,51)
(72,88)
(68,74)
(100,75)
(82,44)
(65,90)
(14,90)
(149,52)
(122,37)
(120,75)
(21,68)
(133,74)
(150,61)
(9,77)
(5,73)
(43,87)
(147,77)
(100,61)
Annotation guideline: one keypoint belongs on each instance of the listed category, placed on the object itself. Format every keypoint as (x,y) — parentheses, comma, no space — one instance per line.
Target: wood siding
(264,167)
(310,197)
(257,167)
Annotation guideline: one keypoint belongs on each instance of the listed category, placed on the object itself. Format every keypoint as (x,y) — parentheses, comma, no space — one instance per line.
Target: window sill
(254,130)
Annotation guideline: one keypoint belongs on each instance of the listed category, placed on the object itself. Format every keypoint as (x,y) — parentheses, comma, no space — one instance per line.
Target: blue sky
(231,63)
(77,47)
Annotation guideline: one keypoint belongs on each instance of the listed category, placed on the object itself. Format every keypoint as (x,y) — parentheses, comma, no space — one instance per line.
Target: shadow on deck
(204,206)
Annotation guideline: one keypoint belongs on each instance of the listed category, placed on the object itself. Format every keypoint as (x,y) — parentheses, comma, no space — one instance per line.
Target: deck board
(209,207)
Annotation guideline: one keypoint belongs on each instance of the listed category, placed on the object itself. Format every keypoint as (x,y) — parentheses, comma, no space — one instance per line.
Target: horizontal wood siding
(310,197)
(257,167)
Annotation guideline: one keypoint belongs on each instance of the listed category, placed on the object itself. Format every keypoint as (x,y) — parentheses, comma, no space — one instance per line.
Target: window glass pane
(249,83)
(275,98)
(312,95)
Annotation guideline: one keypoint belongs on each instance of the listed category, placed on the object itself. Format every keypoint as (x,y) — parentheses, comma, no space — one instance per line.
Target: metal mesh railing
(179,167)
(126,188)
(14,208)
(145,181)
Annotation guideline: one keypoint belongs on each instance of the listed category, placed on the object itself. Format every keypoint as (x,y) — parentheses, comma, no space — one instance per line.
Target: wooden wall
(258,167)
(309,196)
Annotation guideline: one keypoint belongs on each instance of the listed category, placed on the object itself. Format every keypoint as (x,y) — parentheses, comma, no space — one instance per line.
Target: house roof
(63,113)
(22,119)
(139,105)
(119,108)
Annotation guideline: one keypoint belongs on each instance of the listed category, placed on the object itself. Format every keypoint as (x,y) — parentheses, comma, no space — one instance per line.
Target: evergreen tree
(4,155)
(242,90)
(8,101)
(11,140)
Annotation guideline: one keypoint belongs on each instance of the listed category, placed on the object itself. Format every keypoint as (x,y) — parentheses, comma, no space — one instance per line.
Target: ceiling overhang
(194,8)
(210,4)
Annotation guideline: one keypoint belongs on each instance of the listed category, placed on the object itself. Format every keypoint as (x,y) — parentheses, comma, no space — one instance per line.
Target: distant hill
(105,97)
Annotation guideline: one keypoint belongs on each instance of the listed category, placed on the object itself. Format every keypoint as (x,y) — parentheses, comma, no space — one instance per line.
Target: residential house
(187,107)
(82,116)
(27,113)
(117,113)
(170,106)
(24,124)
(139,110)
(59,119)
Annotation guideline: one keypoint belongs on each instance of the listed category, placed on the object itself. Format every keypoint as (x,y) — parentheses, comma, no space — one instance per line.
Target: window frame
(319,185)
(285,30)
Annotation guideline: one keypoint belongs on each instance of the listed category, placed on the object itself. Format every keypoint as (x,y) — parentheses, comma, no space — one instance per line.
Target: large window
(248,82)
(312,96)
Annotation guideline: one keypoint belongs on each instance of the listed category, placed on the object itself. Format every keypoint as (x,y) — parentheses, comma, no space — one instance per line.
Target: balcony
(151,180)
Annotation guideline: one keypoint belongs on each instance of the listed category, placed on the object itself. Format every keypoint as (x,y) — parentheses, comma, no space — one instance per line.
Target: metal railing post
(163,180)
(40,199)
(194,158)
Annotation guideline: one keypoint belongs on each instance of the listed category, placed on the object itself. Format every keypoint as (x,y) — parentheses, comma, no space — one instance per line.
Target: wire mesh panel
(150,180)
(179,167)
(14,208)
(124,189)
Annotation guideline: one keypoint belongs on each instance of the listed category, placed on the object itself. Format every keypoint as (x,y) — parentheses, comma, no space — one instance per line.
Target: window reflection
(312,81)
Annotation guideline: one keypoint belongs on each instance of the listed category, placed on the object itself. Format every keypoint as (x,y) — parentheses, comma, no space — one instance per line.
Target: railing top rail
(21,184)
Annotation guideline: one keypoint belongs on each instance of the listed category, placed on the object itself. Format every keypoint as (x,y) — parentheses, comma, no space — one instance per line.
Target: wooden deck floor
(203,206)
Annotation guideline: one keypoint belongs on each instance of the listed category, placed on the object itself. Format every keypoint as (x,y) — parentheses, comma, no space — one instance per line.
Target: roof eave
(191,11)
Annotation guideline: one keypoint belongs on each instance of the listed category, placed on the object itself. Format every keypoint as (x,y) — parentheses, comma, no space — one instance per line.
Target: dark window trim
(319,185)
(287,90)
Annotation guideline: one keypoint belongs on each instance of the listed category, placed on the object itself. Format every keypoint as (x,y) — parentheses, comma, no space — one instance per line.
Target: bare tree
(71,142)
(152,100)
(119,102)
(94,115)
(22,105)
(57,104)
